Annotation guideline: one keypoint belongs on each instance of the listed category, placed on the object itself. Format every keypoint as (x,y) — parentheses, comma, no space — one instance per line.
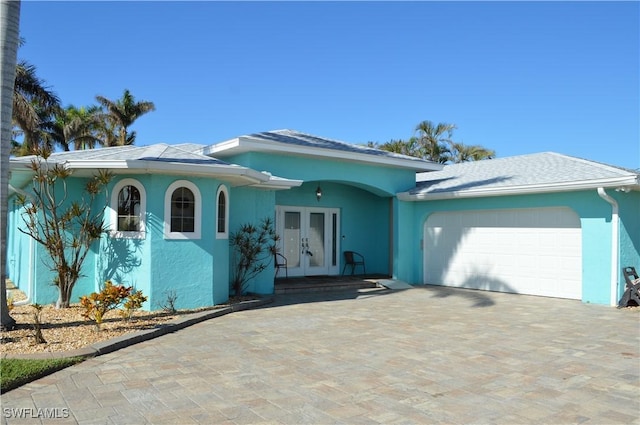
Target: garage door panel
(528,251)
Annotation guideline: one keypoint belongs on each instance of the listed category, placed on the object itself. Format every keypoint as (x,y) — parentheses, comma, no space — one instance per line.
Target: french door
(309,239)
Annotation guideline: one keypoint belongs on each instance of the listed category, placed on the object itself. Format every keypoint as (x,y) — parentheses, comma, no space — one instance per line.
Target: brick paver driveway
(424,355)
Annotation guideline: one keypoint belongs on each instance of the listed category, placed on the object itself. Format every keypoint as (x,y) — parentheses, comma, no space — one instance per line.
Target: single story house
(542,224)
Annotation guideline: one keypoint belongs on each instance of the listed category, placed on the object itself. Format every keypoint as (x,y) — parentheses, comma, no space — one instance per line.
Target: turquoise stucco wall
(595,219)
(180,265)
(381,180)
(406,244)
(249,205)
(364,219)
(629,212)
(362,192)
(160,267)
(184,267)
(197,270)
(19,248)
(28,262)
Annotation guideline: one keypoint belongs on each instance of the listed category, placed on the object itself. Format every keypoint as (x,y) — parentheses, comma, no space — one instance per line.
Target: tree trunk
(64,295)
(64,291)
(9,38)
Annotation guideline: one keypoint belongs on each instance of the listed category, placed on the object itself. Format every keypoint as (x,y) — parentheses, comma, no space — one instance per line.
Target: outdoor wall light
(318,193)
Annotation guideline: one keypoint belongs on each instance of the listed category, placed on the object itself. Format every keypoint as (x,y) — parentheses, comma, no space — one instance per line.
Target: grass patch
(17,372)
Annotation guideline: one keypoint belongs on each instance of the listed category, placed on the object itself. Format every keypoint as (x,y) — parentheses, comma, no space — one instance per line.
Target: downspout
(30,284)
(32,249)
(615,236)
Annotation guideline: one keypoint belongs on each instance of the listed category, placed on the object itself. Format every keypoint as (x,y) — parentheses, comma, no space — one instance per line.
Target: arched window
(128,207)
(222,213)
(182,211)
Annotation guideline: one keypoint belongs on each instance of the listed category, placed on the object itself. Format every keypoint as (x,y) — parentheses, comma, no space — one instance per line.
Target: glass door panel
(291,238)
(316,237)
(308,239)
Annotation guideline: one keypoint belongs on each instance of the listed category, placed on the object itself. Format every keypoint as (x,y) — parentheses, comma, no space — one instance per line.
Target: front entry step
(323,284)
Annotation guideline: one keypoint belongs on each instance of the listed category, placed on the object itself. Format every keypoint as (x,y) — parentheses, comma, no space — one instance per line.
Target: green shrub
(98,304)
(134,302)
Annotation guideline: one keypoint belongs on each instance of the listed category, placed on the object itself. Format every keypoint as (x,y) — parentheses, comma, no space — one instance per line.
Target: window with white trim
(128,209)
(222,213)
(183,211)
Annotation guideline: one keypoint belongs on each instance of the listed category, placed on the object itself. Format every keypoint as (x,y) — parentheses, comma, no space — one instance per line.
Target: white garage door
(526,251)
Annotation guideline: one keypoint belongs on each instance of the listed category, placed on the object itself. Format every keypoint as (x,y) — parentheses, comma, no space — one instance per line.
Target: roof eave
(251,144)
(624,183)
(238,174)
(279,184)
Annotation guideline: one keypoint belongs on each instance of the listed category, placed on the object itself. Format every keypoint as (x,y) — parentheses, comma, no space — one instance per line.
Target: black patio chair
(353,259)
(631,295)
(280,262)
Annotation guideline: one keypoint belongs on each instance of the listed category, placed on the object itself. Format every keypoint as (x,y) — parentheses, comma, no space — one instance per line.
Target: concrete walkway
(418,356)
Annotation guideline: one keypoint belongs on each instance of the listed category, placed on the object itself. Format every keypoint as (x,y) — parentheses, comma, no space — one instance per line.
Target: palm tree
(77,126)
(120,115)
(464,153)
(434,143)
(106,131)
(34,106)
(405,147)
(434,140)
(9,37)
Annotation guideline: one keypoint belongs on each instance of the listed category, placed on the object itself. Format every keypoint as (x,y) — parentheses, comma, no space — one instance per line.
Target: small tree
(65,228)
(37,324)
(253,249)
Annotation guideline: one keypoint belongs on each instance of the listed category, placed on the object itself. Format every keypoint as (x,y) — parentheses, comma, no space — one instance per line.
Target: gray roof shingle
(293,137)
(547,168)
(161,152)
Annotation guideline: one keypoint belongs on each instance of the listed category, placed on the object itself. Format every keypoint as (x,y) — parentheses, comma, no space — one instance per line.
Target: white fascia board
(221,147)
(238,174)
(20,164)
(630,182)
(151,167)
(279,184)
(247,144)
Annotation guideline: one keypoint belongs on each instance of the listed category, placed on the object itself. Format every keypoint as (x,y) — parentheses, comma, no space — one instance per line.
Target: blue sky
(516,77)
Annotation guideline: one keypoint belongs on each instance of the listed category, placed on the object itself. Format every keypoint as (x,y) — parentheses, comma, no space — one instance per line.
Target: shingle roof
(547,169)
(297,138)
(191,147)
(161,152)
(184,159)
(293,137)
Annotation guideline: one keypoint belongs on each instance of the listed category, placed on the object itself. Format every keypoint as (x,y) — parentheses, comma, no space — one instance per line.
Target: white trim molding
(113,213)
(197,226)
(222,189)
(615,238)
(628,182)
